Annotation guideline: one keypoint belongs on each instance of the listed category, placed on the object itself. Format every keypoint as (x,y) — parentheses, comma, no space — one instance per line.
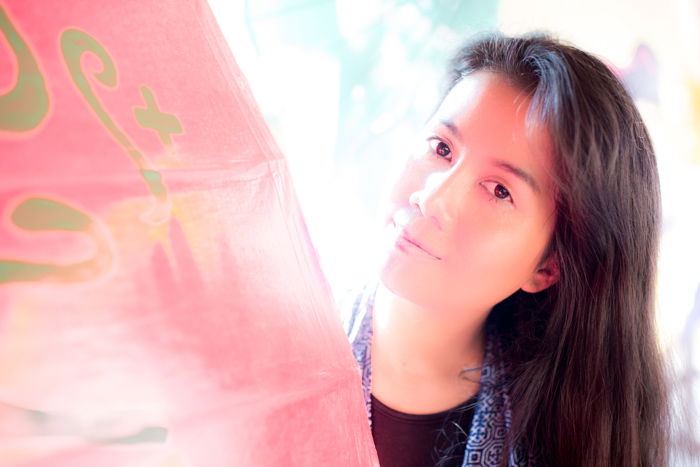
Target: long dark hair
(587,378)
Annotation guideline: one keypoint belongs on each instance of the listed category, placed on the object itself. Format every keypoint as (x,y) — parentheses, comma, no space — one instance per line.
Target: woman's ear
(546,275)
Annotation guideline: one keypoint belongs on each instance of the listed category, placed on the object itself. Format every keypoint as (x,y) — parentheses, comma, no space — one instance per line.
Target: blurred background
(345,84)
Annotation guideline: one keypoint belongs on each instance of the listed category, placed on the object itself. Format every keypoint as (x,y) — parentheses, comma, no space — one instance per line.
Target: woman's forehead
(483,109)
(484,95)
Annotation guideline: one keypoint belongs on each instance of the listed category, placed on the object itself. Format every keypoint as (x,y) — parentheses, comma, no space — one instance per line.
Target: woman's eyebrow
(518,172)
(453,129)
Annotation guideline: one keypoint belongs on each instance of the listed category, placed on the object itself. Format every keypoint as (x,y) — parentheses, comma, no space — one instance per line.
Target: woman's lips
(406,238)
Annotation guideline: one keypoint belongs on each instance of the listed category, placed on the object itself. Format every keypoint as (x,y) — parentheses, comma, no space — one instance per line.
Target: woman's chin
(404,284)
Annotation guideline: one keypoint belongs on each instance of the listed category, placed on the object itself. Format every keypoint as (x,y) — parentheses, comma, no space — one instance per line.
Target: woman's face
(476,196)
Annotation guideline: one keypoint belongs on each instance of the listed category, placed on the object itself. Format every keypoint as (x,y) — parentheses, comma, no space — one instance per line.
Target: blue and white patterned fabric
(492,415)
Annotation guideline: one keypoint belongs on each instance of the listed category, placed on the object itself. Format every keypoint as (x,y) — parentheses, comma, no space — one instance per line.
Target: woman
(514,307)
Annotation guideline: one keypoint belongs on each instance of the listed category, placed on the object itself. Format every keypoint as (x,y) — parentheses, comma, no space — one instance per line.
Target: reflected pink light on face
(446,202)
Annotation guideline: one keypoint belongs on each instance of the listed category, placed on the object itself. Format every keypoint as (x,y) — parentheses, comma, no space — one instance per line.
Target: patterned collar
(492,415)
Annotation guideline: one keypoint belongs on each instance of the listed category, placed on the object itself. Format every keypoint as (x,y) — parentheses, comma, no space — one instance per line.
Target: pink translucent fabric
(160,301)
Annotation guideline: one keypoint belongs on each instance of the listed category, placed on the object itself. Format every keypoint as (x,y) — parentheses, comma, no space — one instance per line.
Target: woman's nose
(440,198)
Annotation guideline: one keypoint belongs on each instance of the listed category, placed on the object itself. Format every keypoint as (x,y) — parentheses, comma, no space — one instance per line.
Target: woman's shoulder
(356,312)
(355,306)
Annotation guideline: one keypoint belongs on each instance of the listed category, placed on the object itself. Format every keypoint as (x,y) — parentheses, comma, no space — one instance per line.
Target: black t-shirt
(407,440)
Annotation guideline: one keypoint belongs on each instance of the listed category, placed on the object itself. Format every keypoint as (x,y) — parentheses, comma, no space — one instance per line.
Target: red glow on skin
(489,247)
(483,204)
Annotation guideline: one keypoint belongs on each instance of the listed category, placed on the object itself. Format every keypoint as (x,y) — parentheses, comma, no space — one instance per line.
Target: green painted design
(47,214)
(152,117)
(21,271)
(40,423)
(18,271)
(150,434)
(27,103)
(73,44)
(41,214)
(155,179)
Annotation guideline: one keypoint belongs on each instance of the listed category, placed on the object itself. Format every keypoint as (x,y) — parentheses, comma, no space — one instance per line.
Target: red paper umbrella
(160,301)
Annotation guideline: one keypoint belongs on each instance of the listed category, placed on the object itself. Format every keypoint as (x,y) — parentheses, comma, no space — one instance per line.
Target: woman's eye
(498,191)
(441,148)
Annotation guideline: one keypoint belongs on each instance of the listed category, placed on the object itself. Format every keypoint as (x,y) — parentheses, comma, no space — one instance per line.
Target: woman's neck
(419,354)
